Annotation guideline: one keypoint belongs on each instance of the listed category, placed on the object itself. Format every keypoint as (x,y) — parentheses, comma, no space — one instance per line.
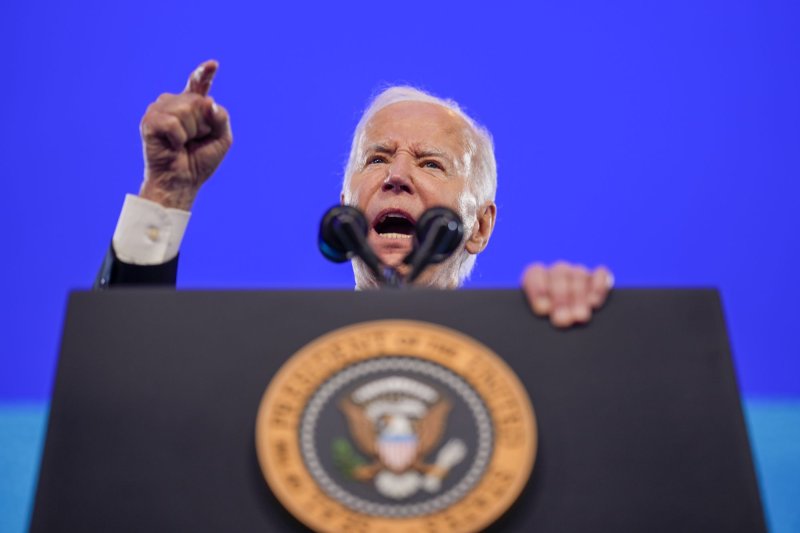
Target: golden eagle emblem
(397,422)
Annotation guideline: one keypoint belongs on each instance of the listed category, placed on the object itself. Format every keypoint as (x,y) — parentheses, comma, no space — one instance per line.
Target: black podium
(152,419)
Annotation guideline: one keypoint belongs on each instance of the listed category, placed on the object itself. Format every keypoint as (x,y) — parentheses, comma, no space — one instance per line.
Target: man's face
(414,156)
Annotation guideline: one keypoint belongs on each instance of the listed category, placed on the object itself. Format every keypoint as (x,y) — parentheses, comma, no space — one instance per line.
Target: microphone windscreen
(447,228)
(330,241)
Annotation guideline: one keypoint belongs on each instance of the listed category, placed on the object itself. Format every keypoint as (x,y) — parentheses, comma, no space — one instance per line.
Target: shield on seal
(397,452)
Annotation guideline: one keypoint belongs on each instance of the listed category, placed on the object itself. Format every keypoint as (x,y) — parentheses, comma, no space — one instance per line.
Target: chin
(391,251)
(394,258)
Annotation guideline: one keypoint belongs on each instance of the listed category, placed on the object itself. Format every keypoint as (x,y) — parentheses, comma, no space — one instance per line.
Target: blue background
(660,139)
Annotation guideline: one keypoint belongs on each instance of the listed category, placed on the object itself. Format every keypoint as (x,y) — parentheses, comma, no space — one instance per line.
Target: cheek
(354,190)
(444,194)
(362,186)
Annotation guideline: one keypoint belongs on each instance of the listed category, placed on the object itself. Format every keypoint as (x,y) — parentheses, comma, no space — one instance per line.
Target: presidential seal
(396,425)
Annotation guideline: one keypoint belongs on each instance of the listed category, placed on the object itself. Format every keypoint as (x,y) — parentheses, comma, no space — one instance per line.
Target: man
(410,151)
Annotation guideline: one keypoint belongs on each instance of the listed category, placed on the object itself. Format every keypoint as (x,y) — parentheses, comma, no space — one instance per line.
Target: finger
(191,109)
(580,288)
(535,285)
(217,118)
(560,284)
(165,128)
(200,80)
(561,317)
(601,282)
(560,291)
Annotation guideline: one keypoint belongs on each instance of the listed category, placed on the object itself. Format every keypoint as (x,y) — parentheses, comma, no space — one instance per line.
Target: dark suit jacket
(115,273)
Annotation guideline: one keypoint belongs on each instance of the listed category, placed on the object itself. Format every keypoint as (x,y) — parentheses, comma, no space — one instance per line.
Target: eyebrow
(431,153)
(419,153)
(381,148)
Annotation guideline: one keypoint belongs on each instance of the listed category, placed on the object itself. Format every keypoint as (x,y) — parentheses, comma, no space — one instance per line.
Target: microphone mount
(343,235)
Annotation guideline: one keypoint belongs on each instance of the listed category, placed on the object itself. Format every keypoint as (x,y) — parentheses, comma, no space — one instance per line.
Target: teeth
(392,215)
(394,236)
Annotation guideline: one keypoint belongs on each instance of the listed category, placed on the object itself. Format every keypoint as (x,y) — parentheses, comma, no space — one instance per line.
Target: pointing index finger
(200,80)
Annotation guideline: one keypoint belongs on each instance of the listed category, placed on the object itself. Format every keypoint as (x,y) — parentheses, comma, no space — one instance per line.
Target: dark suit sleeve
(115,273)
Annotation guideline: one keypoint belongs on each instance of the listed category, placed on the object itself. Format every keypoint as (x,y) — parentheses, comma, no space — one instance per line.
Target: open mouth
(394,224)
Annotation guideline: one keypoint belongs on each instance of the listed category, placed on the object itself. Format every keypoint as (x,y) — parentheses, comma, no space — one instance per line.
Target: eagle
(395,441)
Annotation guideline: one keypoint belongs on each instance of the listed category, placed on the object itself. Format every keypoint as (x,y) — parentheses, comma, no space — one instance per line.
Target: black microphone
(343,235)
(439,232)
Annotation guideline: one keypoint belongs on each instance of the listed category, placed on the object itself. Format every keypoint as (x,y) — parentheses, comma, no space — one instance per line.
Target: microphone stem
(425,253)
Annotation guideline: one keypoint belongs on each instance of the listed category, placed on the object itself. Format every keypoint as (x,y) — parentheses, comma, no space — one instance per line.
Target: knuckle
(576,291)
(195,101)
(163,97)
(178,104)
(179,108)
(151,112)
(170,122)
(192,98)
(148,122)
(533,274)
(156,124)
(559,275)
(559,286)
(603,279)
(579,283)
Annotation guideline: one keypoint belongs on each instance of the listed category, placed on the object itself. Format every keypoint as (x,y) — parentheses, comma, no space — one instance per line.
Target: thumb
(200,80)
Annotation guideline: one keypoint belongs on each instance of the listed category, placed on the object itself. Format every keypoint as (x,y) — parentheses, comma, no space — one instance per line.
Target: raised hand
(567,293)
(184,137)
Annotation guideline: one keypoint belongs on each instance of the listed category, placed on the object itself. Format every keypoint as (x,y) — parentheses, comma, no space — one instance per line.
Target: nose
(399,179)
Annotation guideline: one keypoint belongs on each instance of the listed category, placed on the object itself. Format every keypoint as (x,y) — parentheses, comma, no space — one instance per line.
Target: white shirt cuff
(148,233)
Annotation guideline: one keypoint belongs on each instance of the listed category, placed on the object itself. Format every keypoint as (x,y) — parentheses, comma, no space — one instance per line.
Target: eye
(432,164)
(376,159)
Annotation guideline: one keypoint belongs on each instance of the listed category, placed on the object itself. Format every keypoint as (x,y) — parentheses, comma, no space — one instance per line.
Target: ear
(487,214)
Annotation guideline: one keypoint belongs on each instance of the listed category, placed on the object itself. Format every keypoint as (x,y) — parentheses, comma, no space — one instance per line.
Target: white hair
(479,165)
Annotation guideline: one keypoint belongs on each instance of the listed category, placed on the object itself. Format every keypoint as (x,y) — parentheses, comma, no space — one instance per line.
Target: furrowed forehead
(426,126)
(419,149)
